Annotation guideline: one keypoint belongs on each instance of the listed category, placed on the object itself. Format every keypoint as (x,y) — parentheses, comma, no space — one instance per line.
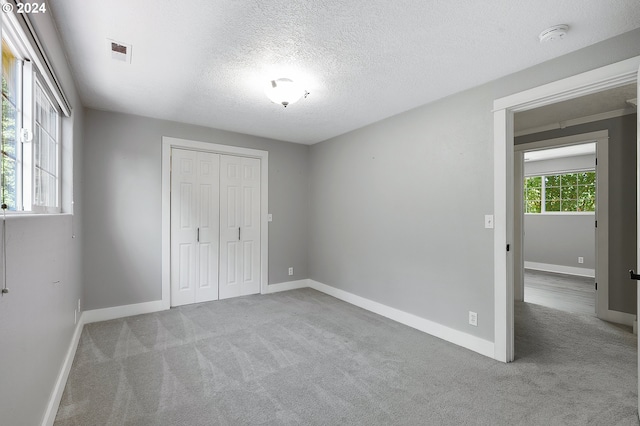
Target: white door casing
(194,226)
(168,144)
(596,80)
(638,222)
(239,226)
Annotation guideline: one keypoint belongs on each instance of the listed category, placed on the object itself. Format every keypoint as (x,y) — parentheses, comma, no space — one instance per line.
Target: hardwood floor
(567,293)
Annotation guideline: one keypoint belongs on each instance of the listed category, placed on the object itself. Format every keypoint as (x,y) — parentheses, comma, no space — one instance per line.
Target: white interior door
(208,226)
(194,226)
(239,226)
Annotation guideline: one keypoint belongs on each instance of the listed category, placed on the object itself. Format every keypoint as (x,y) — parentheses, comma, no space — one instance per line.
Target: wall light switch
(269,217)
(488,221)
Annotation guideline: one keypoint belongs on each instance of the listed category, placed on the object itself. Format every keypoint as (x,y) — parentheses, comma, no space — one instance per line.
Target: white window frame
(58,188)
(28,77)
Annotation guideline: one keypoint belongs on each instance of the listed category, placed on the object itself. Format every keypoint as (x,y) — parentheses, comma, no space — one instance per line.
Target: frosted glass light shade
(284,91)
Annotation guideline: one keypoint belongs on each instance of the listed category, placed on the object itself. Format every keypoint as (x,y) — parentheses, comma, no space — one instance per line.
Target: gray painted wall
(397,207)
(122,192)
(37,316)
(622,202)
(559,239)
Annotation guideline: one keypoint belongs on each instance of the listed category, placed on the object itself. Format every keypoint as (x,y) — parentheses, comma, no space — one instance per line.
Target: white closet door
(183,226)
(239,226)
(208,226)
(194,226)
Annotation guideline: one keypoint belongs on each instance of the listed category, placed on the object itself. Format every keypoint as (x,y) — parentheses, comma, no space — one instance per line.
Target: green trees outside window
(567,192)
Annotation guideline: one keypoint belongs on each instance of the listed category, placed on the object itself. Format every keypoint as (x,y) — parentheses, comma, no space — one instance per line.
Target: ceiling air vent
(120,51)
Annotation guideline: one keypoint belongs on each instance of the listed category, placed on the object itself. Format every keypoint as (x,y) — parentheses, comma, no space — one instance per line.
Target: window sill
(15,215)
(561,214)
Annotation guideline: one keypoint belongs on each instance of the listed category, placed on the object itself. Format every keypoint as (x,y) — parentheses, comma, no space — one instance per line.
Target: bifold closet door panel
(208,226)
(194,226)
(183,226)
(239,226)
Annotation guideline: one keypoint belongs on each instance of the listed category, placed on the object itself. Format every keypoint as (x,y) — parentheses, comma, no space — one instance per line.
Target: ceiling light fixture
(284,91)
(557,32)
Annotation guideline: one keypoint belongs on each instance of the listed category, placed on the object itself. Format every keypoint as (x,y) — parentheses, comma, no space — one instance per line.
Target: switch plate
(580,259)
(291,271)
(473,318)
(269,217)
(488,221)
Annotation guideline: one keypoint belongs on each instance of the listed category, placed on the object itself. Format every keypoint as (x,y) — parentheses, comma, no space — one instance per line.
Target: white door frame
(601,138)
(167,144)
(638,223)
(607,77)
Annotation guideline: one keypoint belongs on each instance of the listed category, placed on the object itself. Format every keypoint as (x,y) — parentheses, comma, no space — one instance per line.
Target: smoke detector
(557,32)
(119,51)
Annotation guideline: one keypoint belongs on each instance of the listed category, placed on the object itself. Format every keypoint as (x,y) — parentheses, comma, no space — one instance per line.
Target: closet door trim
(167,144)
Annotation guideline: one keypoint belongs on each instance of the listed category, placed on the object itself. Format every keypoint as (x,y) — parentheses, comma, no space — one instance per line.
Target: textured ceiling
(585,106)
(206,61)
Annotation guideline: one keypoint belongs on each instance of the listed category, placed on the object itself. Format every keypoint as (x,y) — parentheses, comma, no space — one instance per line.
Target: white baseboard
(115,312)
(618,317)
(560,269)
(457,337)
(289,285)
(61,382)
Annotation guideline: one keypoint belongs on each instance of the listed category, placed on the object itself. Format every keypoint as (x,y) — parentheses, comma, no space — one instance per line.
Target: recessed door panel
(184,261)
(186,204)
(247,267)
(232,263)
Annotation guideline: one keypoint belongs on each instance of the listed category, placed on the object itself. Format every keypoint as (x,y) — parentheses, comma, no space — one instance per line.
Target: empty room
(232,212)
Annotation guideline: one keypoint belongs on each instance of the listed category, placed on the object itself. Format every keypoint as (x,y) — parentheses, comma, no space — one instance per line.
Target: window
(566,192)
(10,157)
(30,168)
(46,151)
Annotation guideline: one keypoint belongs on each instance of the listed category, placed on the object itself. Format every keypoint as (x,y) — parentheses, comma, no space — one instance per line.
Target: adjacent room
(368,213)
(559,225)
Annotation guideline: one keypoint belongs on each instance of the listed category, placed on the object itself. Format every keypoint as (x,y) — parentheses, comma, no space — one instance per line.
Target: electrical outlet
(580,259)
(473,318)
(291,271)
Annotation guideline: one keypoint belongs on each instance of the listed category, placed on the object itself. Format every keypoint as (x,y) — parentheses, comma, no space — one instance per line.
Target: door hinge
(508,246)
(596,161)
(596,286)
(596,223)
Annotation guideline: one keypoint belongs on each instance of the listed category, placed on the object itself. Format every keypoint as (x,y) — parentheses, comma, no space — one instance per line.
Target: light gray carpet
(304,358)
